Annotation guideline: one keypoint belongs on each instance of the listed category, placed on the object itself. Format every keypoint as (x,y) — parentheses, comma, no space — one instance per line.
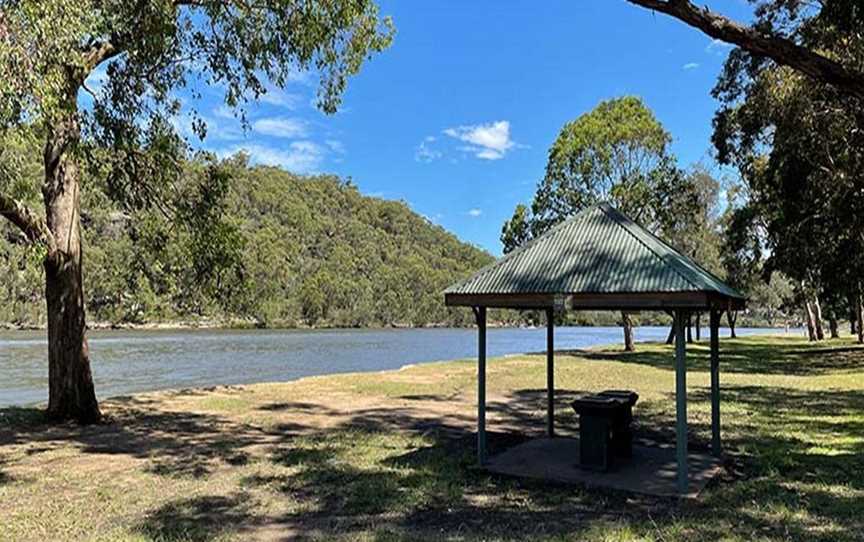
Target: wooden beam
(681,401)
(480,313)
(716,447)
(550,372)
(503,301)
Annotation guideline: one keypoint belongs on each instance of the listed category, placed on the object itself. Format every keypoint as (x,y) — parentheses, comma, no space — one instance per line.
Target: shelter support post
(480,313)
(681,400)
(716,446)
(550,372)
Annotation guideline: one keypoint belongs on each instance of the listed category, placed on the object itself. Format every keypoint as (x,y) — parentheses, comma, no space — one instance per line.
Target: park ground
(389,456)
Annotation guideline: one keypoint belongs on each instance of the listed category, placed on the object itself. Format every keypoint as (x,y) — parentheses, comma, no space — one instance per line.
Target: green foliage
(618,152)
(516,231)
(257,244)
(799,147)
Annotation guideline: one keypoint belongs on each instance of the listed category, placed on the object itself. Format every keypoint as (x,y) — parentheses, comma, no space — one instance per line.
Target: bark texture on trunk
(731,318)
(811,324)
(627,323)
(70,393)
(776,47)
(817,319)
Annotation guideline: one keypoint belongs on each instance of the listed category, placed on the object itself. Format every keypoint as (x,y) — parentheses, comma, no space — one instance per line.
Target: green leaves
(799,147)
(618,152)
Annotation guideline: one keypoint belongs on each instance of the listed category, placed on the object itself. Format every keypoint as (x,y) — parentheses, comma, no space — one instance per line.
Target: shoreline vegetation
(390,455)
(245,324)
(240,325)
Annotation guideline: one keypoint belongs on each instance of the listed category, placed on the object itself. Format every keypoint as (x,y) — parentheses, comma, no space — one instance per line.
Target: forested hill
(282,250)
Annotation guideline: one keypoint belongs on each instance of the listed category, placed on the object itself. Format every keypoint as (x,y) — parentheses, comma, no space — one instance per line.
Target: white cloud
(718,47)
(227,130)
(690,66)
(298,157)
(487,141)
(424,151)
(280,127)
(335,145)
(475,212)
(225,112)
(279,98)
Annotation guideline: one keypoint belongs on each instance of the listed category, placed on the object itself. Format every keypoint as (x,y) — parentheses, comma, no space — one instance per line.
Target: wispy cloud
(690,66)
(335,145)
(286,127)
(218,130)
(486,141)
(297,157)
(718,47)
(425,152)
(475,212)
(279,98)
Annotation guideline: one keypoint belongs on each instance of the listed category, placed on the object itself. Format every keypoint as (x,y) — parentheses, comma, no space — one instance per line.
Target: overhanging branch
(30,223)
(779,49)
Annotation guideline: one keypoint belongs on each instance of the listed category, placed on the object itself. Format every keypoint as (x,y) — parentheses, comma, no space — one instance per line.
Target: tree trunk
(627,323)
(832,326)
(731,318)
(817,319)
(811,325)
(689,328)
(70,384)
(670,339)
(698,326)
(859,310)
(759,42)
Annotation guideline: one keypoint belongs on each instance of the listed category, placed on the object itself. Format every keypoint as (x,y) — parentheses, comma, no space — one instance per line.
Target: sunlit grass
(389,456)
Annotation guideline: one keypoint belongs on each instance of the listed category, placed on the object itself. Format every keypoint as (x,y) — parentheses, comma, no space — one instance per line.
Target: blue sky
(457,116)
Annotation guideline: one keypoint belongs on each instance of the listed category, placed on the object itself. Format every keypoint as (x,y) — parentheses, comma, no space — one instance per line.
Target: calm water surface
(133,361)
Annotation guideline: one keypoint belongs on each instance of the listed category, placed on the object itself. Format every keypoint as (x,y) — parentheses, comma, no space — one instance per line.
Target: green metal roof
(598,251)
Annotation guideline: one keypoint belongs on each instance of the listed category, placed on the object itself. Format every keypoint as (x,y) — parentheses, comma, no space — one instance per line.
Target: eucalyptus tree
(618,152)
(792,33)
(146,52)
(799,146)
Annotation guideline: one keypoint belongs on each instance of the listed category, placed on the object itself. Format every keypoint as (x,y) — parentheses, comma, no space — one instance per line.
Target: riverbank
(389,455)
(134,361)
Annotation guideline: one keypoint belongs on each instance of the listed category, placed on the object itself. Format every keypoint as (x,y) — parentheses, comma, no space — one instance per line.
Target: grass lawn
(390,456)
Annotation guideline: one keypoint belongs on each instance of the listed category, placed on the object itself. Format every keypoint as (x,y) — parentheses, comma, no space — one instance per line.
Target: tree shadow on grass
(782,356)
(175,443)
(408,472)
(434,490)
(197,519)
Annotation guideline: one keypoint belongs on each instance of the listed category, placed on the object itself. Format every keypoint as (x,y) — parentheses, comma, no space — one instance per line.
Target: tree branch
(781,50)
(33,226)
(98,53)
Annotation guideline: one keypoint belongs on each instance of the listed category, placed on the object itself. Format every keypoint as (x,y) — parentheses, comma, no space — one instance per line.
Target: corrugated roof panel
(597,251)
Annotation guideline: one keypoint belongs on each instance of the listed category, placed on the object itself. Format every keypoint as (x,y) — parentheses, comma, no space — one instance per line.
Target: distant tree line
(253,244)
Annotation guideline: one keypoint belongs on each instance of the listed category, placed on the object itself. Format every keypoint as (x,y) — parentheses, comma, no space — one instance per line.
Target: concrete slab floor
(651,470)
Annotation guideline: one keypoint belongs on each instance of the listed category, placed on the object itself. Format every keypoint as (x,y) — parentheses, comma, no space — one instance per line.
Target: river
(126,362)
